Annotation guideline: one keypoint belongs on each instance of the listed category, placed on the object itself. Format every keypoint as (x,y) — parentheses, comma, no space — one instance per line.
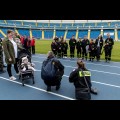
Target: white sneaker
(12,78)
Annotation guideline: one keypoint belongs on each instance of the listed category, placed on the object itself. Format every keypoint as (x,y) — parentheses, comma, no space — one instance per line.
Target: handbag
(83,93)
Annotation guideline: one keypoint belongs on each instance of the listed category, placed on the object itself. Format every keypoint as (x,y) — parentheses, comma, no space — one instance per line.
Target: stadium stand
(82,33)
(94,34)
(48,34)
(70,33)
(46,30)
(78,25)
(54,24)
(119,34)
(109,31)
(37,33)
(24,32)
(32,24)
(60,33)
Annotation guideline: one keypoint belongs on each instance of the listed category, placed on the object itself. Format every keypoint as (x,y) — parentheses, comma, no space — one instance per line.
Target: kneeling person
(81,77)
(52,71)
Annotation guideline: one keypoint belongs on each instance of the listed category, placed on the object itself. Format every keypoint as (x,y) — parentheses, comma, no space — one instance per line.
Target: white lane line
(76,58)
(100,83)
(39,89)
(89,69)
(85,62)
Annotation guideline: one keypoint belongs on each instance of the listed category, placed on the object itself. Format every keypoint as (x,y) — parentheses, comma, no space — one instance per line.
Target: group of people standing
(59,47)
(94,48)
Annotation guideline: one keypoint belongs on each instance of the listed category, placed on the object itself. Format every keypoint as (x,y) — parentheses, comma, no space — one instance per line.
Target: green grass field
(43,46)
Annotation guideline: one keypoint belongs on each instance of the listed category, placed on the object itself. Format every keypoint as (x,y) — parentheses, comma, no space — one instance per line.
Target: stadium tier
(70,33)
(55,24)
(60,33)
(94,34)
(59,25)
(82,33)
(48,34)
(37,34)
(24,32)
(50,30)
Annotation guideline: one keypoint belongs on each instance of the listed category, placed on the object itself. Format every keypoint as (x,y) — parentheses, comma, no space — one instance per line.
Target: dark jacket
(9,51)
(85,43)
(72,43)
(64,46)
(92,47)
(101,42)
(79,45)
(110,42)
(59,46)
(1,50)
(76,78)
(54,46)
(26,43)
(59,68)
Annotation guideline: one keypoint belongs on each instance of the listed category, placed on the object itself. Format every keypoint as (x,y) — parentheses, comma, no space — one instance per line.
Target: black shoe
(94,91)
(57,87)
(48,88)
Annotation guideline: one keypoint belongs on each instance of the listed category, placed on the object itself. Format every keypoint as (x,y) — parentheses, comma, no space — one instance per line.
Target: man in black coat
(109,42)
(72,44)
(85,44)
(99,45)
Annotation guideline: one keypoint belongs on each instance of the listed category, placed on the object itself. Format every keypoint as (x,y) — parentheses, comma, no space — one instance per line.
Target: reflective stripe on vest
(86,73)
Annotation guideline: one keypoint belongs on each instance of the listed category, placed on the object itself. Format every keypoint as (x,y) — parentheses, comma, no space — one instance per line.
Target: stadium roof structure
(69,21)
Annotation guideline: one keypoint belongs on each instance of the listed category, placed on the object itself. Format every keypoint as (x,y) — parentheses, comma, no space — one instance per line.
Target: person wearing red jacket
(33,45)
(22,39)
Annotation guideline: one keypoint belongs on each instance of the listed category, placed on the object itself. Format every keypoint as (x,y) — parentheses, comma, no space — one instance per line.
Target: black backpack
(48,70)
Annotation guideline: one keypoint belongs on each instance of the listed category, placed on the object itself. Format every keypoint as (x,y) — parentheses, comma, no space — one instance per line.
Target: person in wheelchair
(77,78)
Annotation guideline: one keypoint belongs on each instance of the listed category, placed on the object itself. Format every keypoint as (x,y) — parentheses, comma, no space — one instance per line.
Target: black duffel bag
(82,94)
